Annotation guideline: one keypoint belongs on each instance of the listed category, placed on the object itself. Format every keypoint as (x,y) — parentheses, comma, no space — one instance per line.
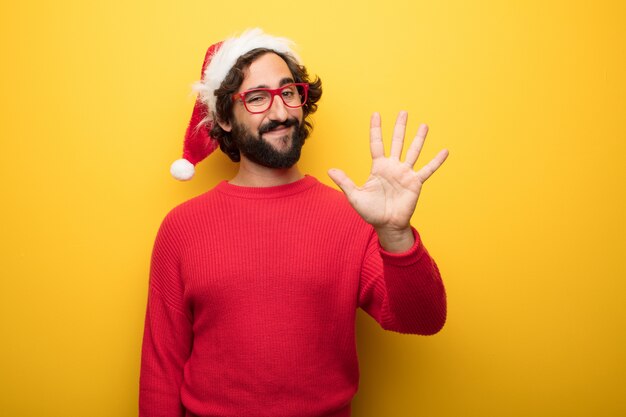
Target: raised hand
(388,199)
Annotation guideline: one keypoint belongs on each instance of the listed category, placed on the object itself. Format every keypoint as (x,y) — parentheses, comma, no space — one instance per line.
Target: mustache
(273,124)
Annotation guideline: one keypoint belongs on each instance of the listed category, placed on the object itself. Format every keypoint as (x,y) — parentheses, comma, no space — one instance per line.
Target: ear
(226,126)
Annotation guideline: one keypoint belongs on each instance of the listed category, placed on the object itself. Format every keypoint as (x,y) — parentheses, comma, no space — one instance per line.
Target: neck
(251,174)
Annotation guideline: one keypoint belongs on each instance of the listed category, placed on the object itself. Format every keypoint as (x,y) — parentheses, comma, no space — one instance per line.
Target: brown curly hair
(232,82)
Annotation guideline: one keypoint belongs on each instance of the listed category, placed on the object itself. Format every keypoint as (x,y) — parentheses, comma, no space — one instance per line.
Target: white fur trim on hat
(226,57)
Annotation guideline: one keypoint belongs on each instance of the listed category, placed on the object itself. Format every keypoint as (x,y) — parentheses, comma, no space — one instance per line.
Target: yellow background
(525,219)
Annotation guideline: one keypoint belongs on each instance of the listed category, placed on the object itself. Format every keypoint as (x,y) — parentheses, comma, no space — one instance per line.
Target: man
(254,285)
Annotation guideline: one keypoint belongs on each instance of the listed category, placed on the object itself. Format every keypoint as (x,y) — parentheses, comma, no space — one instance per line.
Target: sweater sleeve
(168,336)
(402,292)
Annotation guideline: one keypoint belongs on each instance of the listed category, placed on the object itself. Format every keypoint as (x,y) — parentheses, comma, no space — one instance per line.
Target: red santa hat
(218,61)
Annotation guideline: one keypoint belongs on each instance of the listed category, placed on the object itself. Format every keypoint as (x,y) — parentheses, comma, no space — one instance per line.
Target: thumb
(342,180)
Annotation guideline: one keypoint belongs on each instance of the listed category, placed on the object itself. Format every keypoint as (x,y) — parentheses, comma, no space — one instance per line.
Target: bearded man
(254,285)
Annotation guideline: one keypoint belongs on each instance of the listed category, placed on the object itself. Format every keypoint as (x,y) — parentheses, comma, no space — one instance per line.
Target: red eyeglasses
(259,100)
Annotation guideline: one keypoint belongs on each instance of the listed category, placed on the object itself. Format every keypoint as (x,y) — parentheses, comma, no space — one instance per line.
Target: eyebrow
(284,81)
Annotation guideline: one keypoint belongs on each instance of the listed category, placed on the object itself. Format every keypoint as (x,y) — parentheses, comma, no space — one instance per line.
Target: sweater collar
(267,192)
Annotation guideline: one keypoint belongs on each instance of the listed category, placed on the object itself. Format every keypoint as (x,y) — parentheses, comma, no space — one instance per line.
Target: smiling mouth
(279,130)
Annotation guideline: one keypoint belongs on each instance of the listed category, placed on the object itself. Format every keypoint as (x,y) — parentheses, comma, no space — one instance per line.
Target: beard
(261,152)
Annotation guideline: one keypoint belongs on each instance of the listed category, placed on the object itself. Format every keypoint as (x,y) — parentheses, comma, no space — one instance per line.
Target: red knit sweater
(252,303)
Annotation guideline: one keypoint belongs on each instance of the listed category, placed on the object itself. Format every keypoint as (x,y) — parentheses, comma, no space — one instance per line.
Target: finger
(416,146)
(397,141)
(342,181)
(428,169)
(377,148)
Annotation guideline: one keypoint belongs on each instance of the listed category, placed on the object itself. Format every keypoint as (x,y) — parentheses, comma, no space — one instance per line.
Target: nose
(278,110)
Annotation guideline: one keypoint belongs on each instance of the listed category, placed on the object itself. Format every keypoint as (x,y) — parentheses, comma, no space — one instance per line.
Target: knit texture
(252,303)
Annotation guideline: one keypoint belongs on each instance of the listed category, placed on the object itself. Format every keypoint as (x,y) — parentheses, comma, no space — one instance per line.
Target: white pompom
(182,170)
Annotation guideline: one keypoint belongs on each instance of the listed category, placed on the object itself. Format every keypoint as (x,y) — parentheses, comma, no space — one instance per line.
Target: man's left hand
(388,199)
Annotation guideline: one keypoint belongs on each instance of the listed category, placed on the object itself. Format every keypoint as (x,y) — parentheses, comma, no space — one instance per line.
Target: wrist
(396,240)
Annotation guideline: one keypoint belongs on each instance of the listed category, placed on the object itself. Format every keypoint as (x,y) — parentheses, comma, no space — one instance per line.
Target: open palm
(388,198)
